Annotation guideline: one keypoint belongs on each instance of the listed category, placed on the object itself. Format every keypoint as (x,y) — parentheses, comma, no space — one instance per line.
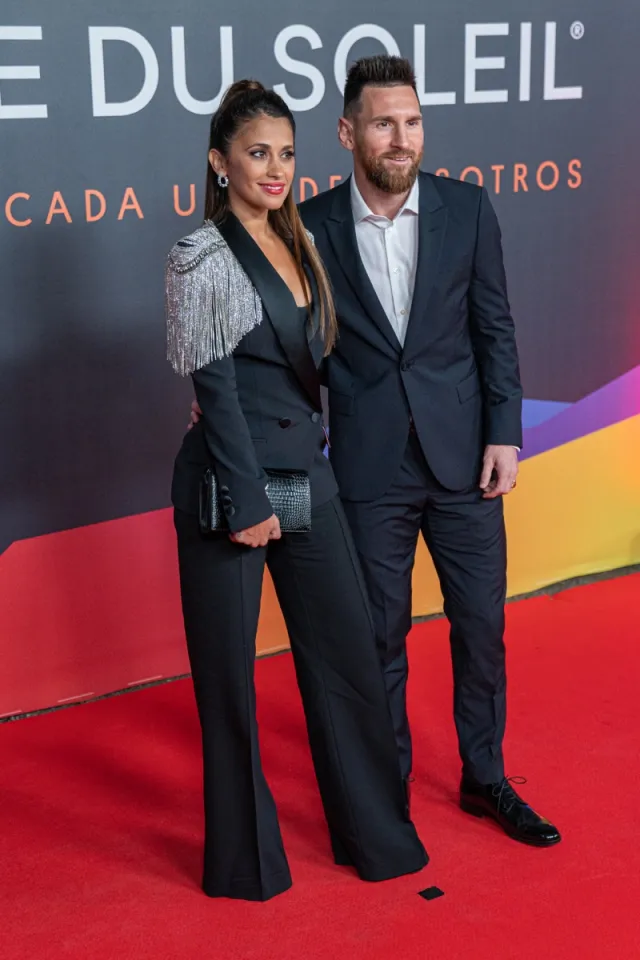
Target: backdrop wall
(103,125)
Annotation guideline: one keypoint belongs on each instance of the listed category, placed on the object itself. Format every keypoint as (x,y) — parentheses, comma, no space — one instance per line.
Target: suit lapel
(342,235)
(314,338)
(432,225)
(278,303)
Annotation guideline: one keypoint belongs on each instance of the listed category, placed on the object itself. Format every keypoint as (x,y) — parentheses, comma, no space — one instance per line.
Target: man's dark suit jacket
(457,375)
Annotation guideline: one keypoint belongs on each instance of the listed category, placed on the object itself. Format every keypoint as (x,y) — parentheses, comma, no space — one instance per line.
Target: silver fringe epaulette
(210,302)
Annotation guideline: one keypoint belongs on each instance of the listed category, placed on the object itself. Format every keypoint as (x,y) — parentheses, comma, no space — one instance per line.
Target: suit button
(224,489)
(230,511)
(284,423)
(315,417)
(226,499)
(406,365)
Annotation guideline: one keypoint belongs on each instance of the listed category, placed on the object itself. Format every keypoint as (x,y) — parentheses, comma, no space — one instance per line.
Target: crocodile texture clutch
(289,493)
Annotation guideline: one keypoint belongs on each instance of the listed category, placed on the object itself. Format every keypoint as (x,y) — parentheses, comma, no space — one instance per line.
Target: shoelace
(499,792)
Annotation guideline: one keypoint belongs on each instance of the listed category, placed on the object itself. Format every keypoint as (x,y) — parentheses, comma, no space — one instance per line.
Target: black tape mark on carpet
(431,893)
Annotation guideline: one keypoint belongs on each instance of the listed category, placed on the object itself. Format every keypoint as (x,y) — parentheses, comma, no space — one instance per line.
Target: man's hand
(499,471)
(259,535)
(196,413)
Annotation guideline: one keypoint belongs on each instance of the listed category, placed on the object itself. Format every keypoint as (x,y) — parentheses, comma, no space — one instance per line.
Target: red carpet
(100,837)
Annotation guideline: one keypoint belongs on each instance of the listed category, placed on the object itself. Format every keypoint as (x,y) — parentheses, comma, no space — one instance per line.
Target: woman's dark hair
(244,101)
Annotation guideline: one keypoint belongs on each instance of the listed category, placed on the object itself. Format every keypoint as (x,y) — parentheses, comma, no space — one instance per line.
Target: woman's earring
(223,181)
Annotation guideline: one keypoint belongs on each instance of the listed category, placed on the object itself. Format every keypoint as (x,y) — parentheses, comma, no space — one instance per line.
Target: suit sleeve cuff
(245,505)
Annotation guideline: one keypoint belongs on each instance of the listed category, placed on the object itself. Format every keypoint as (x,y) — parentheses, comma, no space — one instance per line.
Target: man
(425,412)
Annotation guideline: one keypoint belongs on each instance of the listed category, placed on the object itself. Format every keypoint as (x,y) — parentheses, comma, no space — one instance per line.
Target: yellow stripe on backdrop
(576,511)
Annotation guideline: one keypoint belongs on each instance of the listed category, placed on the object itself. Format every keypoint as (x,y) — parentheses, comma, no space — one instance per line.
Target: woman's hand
(196,413)
(260,534)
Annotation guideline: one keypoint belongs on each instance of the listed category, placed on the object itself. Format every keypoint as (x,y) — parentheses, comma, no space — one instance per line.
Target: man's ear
(345,133)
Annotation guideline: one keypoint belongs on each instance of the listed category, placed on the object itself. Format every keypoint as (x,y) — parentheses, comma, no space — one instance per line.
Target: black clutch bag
(289,493)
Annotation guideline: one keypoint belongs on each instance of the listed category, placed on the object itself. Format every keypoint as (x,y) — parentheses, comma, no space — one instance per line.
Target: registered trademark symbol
(577,30)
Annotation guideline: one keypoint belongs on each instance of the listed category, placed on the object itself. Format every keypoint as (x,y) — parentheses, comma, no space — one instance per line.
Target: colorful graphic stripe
(614,402)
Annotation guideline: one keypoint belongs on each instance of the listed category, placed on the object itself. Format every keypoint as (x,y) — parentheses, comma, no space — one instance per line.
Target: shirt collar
(362,212)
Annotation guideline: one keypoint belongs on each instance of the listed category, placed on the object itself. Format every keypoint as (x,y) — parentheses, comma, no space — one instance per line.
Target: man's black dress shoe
(501,802)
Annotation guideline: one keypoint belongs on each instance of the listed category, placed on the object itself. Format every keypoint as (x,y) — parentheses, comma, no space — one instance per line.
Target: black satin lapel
(342,234)
(278,304)
(314,337)
(432,228)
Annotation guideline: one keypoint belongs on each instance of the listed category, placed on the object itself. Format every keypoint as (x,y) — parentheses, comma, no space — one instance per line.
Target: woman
(250,317)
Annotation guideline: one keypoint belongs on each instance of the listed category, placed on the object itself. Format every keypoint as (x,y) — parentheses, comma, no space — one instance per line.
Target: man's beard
(392,181)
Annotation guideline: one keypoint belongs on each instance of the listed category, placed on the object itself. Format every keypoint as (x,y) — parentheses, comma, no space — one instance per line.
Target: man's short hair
(378,71)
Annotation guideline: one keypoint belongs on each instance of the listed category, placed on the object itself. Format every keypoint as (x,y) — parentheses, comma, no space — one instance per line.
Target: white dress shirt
(389,251)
